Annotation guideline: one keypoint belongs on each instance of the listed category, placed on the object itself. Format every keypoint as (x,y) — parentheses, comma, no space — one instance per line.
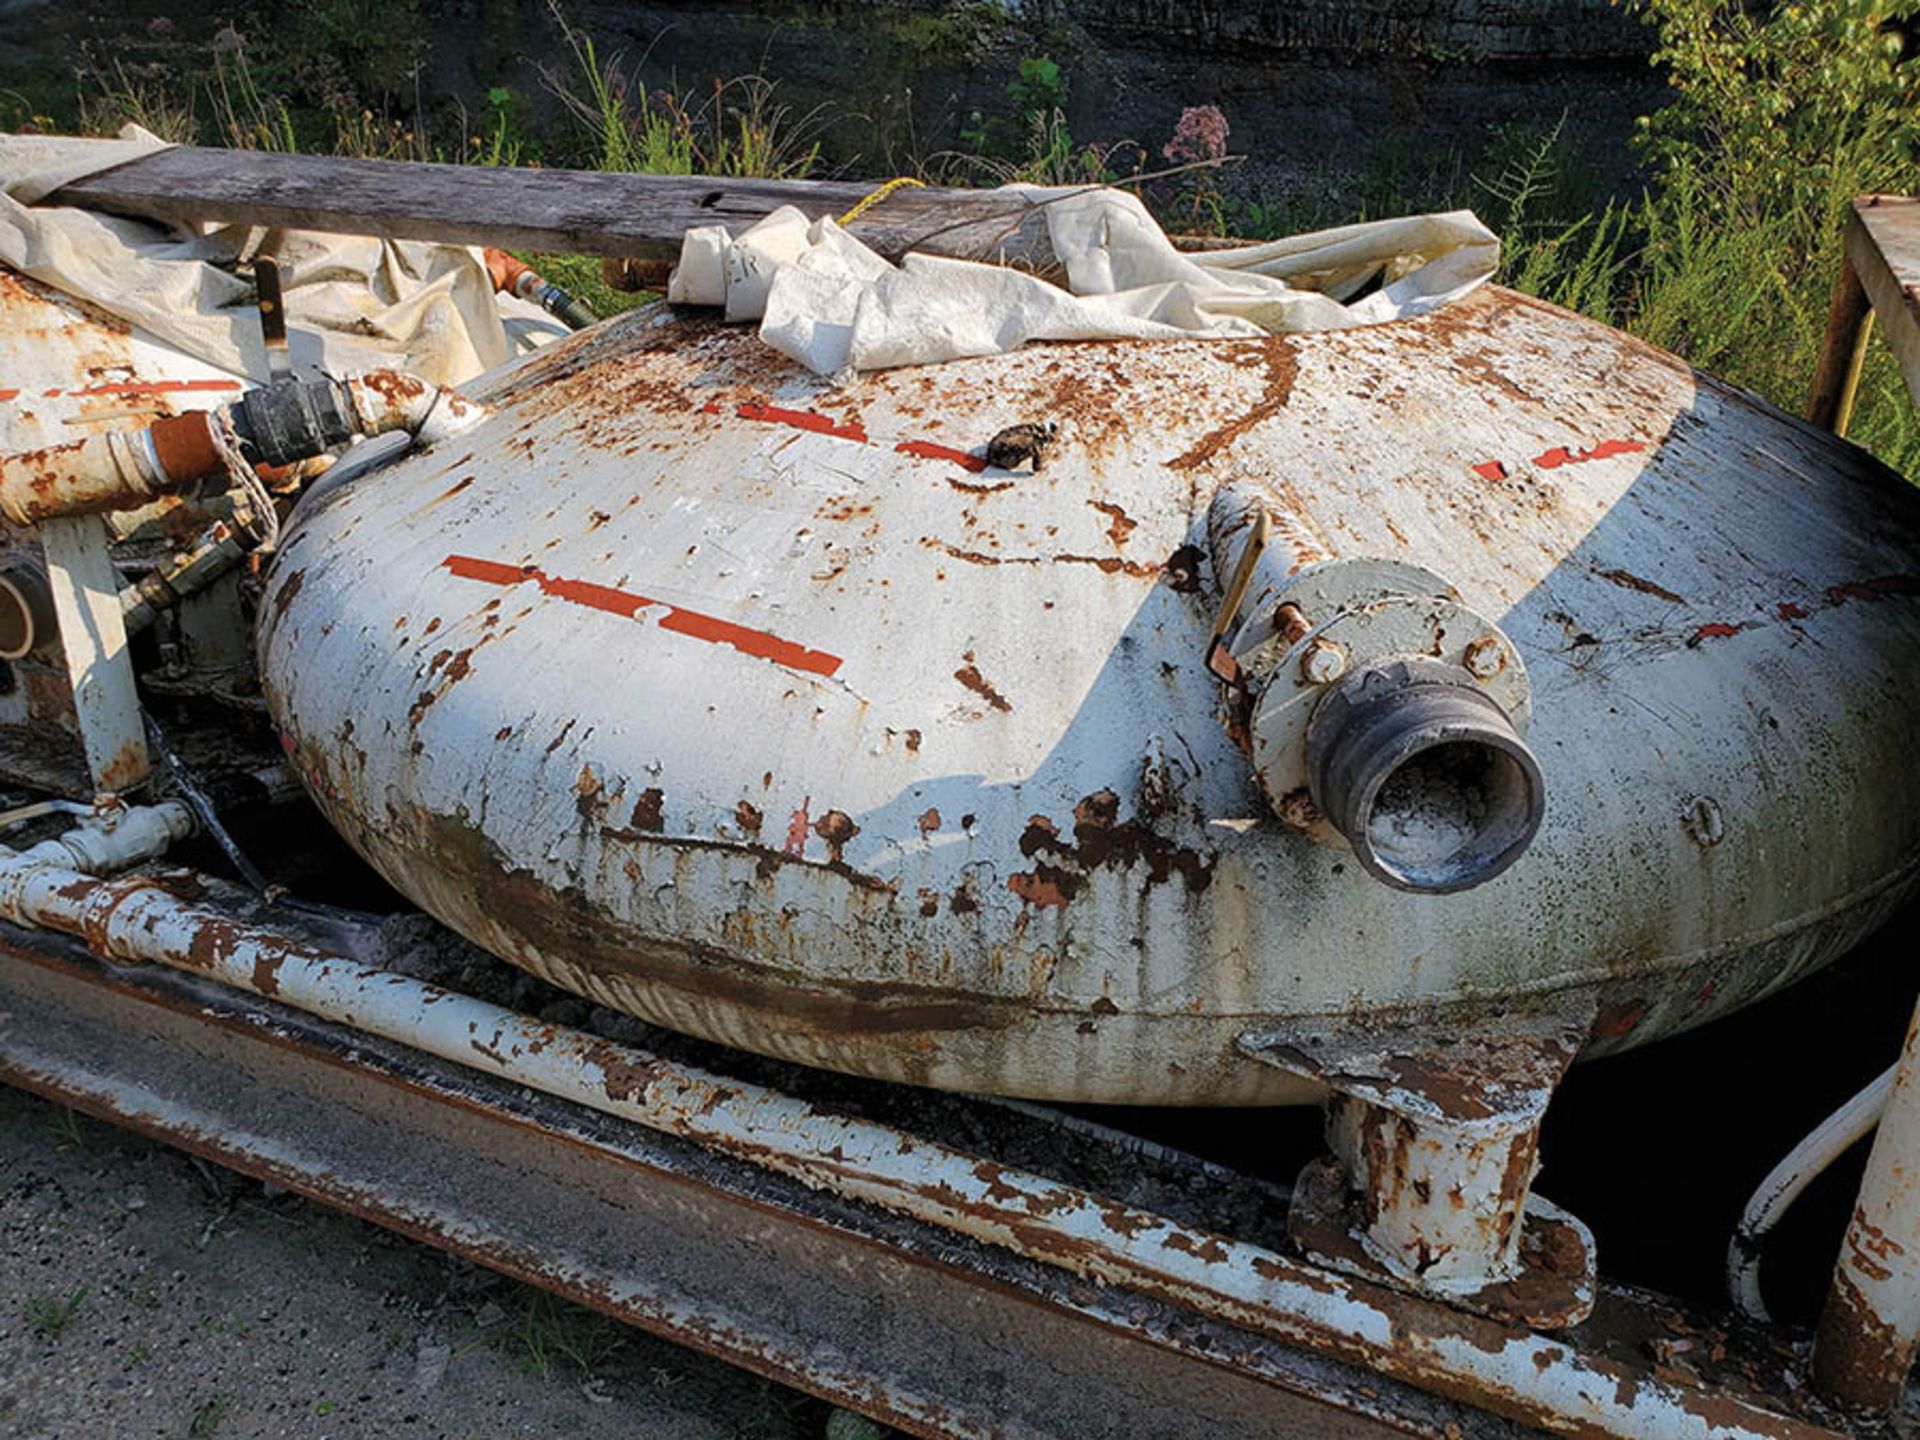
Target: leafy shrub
(1780,116)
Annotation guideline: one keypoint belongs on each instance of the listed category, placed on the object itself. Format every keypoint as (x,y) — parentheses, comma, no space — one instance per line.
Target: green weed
(48,1316)
(206,1420)
(553,1335)
(65,1125)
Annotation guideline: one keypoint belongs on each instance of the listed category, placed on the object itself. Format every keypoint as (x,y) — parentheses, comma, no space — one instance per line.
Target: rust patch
(1616,1020)
(966,487)
(1101,840)
(1883,588)
(285,595)
(1120,524)
(1627,580)
(1109,564)
(1205,1248)
(748,817)
(649,810)
(565,925)
(930,821)
(586,793)
(969,675)
(1044,887)
(266,974)
(185,447)
(835,827)
(1858,1357)
(1275,355)
(1183,569)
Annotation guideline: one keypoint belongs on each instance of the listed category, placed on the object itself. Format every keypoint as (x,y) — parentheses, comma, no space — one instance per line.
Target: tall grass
(738,128)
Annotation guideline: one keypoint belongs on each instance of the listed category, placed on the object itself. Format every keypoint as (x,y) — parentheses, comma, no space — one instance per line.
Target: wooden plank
(1883,247)
(582,212)
(1837,376)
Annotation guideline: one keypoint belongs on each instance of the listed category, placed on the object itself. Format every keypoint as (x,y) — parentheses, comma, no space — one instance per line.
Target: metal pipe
(1804,1164)
(277,425)
(112,839)
(1529,1377)
(1424,775)
(1869,1327)
(511,276)
(120,470)
(187,571)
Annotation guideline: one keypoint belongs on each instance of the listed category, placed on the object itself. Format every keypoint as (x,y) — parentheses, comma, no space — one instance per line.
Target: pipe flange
(1371,627)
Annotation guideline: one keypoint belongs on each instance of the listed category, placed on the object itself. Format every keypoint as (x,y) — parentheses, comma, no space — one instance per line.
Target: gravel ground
(143,1293)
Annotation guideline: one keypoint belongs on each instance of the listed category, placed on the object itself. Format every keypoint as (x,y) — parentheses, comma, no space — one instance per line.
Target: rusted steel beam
(1515,1373)
(574,211)
(922,1329)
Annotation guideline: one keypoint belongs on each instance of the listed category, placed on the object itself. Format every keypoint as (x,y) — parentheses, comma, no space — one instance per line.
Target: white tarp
(352,303)
(829,302)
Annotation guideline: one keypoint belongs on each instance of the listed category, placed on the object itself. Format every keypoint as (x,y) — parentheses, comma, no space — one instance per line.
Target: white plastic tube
(1827,1142)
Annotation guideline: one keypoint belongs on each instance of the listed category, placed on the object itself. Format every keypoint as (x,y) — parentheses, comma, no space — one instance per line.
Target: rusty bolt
(1486,658)
(1158,784)
(1323,662)
(1700,817)
(1292,625)
(1298,810)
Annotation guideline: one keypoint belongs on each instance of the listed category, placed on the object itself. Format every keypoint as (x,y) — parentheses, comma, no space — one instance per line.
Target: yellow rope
(877,196)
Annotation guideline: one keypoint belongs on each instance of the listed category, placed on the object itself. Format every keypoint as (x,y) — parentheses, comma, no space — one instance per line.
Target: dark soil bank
(1338,106)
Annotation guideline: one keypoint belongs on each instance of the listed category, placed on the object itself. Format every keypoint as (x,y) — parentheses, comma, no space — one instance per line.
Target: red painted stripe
(1553,459)
(1715,631)
(491,571)
(805,420)
(8,394)
(711,628)
(139,387)
(1605,450)
(927,450)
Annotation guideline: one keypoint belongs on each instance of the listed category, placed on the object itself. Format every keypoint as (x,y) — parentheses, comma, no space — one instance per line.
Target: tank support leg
(1435,1143)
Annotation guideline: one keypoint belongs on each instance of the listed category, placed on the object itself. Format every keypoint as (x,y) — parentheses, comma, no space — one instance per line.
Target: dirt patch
(212,1305)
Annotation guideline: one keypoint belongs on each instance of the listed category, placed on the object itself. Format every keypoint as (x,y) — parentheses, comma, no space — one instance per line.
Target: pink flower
(1201,134)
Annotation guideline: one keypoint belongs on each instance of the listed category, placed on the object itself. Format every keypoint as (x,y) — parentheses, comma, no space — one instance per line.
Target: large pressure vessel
(765,708)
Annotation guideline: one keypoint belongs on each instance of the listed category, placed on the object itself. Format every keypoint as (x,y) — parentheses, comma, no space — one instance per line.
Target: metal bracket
(1435,1139)
(93,636)
(1219,657)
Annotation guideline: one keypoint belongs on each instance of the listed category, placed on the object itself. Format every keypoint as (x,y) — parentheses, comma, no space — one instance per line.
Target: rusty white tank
(766,709)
